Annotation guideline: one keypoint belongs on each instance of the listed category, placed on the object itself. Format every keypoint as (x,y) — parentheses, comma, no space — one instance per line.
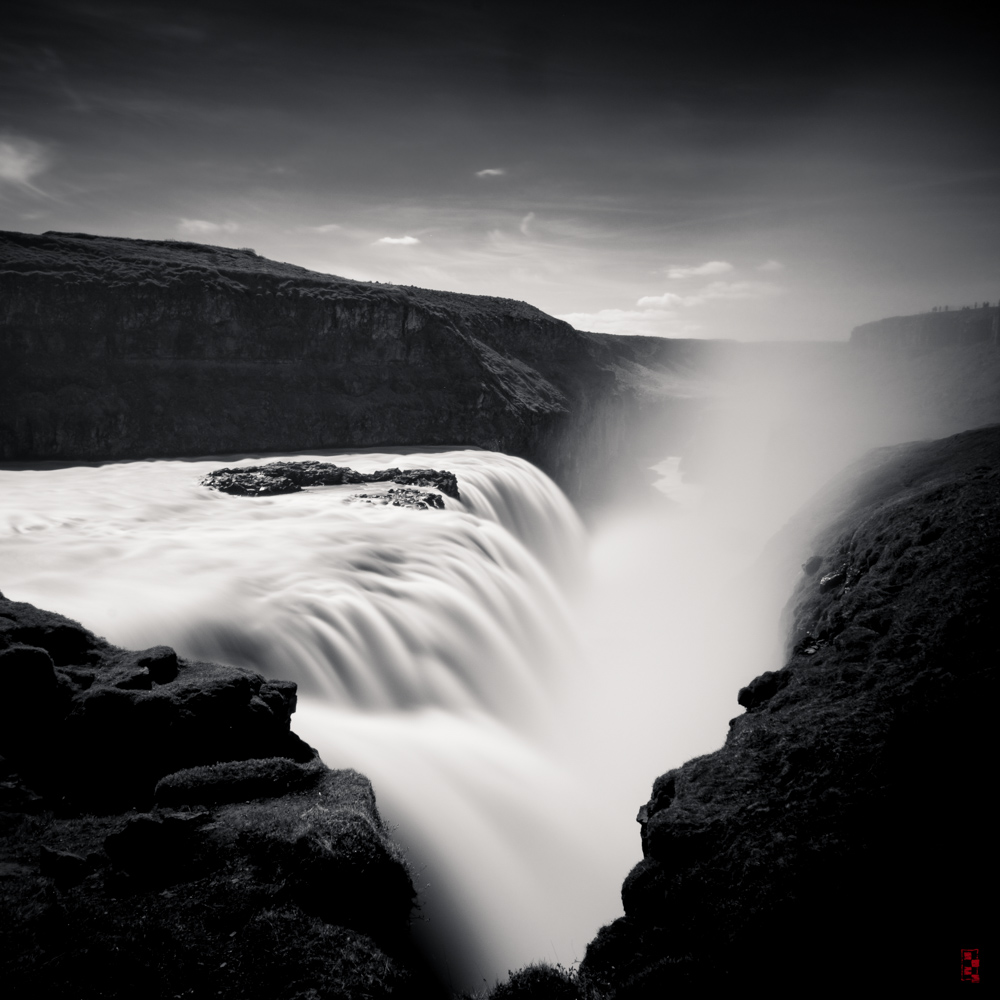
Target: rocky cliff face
(120,348)
(954,328)
(163,833)
(842,833)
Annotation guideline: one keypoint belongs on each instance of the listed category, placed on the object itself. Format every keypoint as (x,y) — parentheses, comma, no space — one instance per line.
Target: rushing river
(510,685)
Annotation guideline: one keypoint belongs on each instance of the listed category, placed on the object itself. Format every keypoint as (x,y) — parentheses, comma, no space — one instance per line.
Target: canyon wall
(118,348)
(842,833)
(946,328)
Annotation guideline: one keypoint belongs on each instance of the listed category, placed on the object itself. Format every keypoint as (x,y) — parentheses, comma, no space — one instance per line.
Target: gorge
(510,681)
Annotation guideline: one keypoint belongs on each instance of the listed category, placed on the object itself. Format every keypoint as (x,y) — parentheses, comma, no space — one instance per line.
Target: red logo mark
(970,965)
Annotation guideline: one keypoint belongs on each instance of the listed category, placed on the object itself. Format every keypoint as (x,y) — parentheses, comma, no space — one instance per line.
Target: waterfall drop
(432,651)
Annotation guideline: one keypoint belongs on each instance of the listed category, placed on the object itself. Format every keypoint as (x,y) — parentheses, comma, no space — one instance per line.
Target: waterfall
(511,686)
(433,649)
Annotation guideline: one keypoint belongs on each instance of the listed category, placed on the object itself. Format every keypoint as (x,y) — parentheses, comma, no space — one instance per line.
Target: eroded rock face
(98,726)
(163,833)
(118,348)
(843,823)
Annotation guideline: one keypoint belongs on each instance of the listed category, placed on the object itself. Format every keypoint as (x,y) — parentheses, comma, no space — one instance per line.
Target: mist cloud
(405,241)
(645,322)
(491,172)
(712,291)
(525,222)
(663,315)
(660,301)
(709,267)
(732,290)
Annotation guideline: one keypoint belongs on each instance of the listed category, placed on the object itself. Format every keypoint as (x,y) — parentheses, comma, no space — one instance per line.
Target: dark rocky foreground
(119,348)
(843,834)
(164,834)
(293,477)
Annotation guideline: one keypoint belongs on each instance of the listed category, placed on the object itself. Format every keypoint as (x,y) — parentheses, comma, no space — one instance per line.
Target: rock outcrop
(293,477)
(163,833)
(119,348)
(411,499)
(841,834)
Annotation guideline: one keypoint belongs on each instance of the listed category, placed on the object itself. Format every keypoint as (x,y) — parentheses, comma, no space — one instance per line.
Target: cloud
(525,221)
(663,315)
(330,227)
(709,267)
(666,300)
(21,160)
(491,172)
(647,322)
(732,290)
(404,241)
(771,265)
(712,291)
(202,227)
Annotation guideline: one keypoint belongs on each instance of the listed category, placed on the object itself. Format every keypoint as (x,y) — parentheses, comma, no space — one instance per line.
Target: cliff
(118,348)
(841,834)
(163,833)
(953,328)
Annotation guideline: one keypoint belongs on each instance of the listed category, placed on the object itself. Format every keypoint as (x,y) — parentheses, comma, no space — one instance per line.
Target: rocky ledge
(163,833)
(292,477)
(412,499)
(841,833)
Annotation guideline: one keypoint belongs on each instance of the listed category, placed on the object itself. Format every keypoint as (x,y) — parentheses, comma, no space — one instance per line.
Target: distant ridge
(945,328)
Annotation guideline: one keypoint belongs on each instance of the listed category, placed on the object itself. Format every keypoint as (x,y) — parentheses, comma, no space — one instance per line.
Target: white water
(433,651)
(510,686)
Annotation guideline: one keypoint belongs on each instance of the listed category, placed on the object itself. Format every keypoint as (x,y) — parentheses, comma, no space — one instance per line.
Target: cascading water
(432,649)
(510,687)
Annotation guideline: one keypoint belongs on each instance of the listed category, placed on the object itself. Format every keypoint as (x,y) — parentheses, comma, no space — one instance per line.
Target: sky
(753,171)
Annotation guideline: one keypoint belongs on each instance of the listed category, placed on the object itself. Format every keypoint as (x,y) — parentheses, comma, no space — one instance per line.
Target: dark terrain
(164,834)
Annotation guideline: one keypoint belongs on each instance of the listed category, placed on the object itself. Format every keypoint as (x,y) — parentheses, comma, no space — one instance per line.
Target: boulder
(99,726)
(164,833)
(291,477)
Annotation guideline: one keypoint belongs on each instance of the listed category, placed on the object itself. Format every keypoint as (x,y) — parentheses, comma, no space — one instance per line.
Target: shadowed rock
(99,726)
(291,477)
(236,780)
(842,821)
(412,499)
(253,871)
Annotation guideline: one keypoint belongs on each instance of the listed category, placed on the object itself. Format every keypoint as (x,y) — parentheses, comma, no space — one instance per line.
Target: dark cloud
(641,136)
